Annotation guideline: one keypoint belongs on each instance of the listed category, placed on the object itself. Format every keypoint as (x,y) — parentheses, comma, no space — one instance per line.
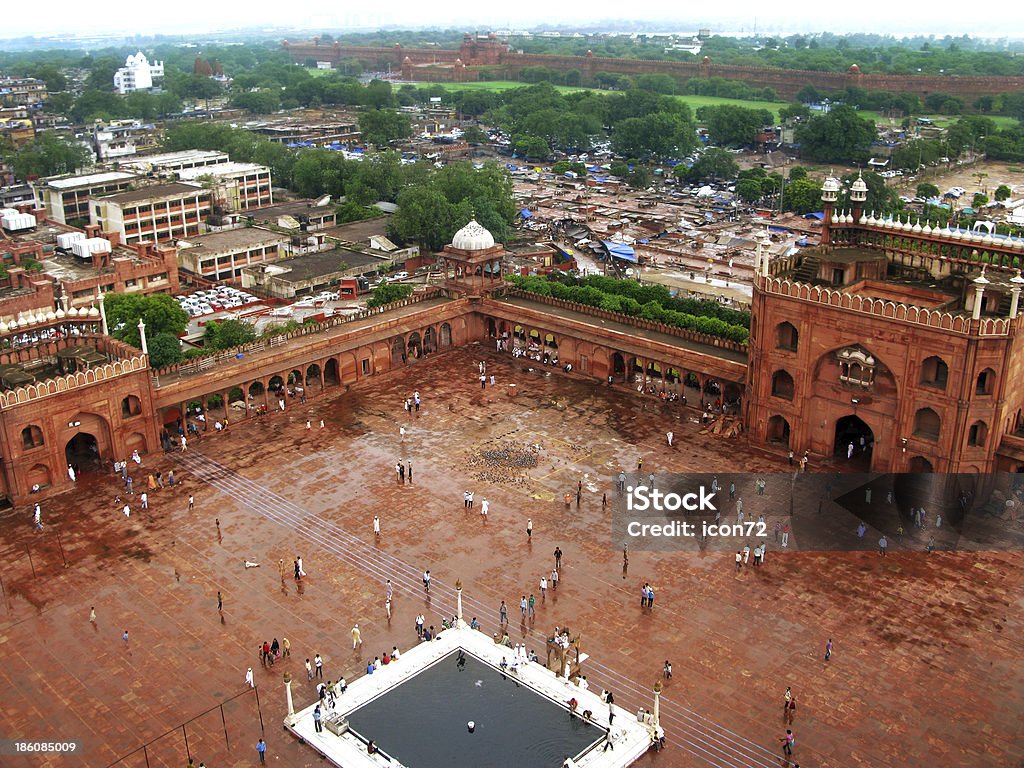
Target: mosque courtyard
(924,671)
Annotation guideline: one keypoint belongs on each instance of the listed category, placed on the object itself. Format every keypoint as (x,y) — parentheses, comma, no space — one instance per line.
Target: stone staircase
(807,272)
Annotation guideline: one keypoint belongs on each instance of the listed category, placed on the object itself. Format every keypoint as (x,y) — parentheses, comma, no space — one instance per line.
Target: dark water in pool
(422,722)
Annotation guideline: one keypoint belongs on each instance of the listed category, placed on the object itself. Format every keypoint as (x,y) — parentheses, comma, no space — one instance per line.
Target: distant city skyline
(65,17)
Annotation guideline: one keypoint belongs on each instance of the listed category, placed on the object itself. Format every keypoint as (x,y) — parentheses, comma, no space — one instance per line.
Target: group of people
(270,652)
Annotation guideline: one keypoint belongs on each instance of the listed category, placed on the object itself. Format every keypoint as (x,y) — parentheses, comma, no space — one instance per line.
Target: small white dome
(4,327)
(61,314)
(926,229)
(93,312)
(831,185)
(473,237)
(917,228)
(859,185)
(72,312)
(51,316)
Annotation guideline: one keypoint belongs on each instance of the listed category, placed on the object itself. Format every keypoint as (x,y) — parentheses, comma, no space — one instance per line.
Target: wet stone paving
(925,669)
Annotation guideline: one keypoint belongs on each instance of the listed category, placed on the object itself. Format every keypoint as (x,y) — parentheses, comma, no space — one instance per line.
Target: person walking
(316,719)
(532,602)
(220,602)
(249,678)
(503,614)
(357,636)
(828,649)
(309,670)
(376,525)
(529,528)
(558,559)
(318,663)
(426,582)
(261,750)
(387,607)
(523,605)
(883,544)
(92,614)
(191,502)
(554,579)
(789,740)
(668,670)
(184,443)
(543,587)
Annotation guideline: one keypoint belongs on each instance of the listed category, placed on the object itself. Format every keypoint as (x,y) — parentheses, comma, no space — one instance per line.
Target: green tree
(714,163)
(794,111)
(49,154)
(979,200)
(748,190)
(430,212)
(1003,192)
(160,312)
(797,172)
(382,126)
(732,126)
(386,293)
(838,136)
(657,83)
(802,196)
(619,169)
(474,135)
(658,135)
(639,177)
(164,350)
(225,334)
(531,147)
(927,191)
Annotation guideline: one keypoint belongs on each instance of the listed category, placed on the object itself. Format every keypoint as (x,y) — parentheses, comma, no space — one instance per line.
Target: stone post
(142,337)
(458,597)
(290,719)
(103,314)
(657,703)
(1017,281)
(979,292)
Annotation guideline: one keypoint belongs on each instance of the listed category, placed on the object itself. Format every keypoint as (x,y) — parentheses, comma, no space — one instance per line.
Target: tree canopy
(732,126)
(431,212)
(837,136)
(225,334)
(164,318)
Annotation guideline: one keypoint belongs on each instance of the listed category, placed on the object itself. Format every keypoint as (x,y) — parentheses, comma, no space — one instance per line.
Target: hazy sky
(183,16)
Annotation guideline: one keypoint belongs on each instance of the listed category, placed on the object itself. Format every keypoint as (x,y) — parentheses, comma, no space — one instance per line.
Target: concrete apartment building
(167,164)
(66,198)
(222,255)
(237,186)
(160,213)
(124,138)
(21,91)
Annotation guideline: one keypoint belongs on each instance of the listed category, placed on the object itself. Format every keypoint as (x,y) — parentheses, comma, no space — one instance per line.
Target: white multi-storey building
(137,74)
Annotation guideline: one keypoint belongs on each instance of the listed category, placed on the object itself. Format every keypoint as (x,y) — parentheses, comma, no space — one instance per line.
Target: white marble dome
(473,237)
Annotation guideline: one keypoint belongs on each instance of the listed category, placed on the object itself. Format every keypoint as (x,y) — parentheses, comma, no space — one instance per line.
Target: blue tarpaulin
(819,215)
(525,213)
(620,250)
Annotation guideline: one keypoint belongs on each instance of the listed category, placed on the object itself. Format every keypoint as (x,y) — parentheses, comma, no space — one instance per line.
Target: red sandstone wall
(786,82)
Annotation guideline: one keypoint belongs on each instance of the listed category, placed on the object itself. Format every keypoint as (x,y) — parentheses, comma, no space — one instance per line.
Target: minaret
(829,196)
(858,196)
